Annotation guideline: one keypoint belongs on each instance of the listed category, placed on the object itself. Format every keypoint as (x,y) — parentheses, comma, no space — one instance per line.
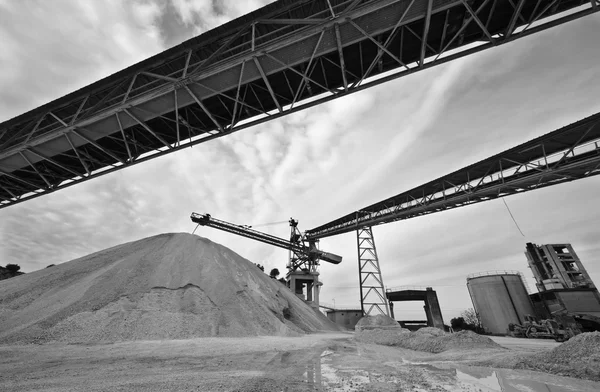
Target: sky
(315,165)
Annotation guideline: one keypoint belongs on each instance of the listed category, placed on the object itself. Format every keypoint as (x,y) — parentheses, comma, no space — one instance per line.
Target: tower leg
(372,293)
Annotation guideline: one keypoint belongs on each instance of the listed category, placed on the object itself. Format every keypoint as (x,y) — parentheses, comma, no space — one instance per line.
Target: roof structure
(284,57)
(567,154)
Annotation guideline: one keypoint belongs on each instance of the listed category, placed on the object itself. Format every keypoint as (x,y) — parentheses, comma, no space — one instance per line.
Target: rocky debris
(170,286)
(428,341)
(430,331)
(578,357)
(379,321)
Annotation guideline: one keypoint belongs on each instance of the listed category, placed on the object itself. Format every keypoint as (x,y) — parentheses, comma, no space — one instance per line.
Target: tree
(274,273)
(457,323)
(13,268)
(471,317)
(283,281)
(51,265)
(260,267)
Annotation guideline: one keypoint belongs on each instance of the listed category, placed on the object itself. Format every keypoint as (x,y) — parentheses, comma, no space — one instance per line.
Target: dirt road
(316,362)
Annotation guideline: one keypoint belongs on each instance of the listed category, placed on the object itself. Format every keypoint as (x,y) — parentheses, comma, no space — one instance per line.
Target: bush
(13,268)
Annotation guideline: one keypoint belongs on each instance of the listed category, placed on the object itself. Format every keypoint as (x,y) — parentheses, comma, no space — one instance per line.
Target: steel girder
(282,58)
(567,154)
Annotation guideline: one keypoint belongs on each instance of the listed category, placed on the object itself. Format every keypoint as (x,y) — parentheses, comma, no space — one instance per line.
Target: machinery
(304,254)
(545,329)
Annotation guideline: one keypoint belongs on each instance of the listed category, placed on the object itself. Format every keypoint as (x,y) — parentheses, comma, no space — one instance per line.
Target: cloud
(80,43)
(207,14)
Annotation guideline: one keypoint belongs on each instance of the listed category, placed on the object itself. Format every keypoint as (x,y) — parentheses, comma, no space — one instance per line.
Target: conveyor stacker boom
(303,251)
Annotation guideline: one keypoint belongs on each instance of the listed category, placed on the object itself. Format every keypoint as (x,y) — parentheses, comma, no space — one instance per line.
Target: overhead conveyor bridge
(284,57)
(567,154)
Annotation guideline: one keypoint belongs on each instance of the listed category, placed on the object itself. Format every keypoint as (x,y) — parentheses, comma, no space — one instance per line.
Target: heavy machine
(304,254)
(544,329)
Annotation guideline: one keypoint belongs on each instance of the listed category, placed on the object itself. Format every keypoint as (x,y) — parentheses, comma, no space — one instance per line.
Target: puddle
(472,378)
(322,374)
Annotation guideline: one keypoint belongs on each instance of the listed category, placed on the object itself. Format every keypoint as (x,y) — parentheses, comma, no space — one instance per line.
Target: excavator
(304,253)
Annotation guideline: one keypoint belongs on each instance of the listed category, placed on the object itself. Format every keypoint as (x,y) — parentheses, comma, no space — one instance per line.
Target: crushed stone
(578,357)
(379,321)
(430,331)
(427,341)
(170,286)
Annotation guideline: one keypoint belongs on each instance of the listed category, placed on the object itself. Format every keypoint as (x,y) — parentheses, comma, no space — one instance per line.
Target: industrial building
(564,286)
(565,291)
(500,298)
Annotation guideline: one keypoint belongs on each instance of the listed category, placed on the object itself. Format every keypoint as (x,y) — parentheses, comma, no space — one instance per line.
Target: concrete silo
(500,298)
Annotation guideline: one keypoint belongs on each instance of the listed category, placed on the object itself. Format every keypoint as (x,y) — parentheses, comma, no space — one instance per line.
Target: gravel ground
(313,362)
(579,357)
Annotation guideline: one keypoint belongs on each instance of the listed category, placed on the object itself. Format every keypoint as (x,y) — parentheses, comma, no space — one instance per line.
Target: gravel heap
(431,340)
(578,357)
(377,322)
(170,286)
(430,331)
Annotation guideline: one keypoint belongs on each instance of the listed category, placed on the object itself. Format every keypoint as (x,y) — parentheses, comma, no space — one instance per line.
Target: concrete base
(429,296)
(306,286)
(346,318)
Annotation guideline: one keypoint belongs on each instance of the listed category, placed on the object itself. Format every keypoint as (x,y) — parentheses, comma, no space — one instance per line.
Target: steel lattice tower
(372,293)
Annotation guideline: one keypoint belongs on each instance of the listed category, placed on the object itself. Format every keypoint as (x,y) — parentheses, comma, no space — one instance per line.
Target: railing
(490,273)
(405,288)
(338,307)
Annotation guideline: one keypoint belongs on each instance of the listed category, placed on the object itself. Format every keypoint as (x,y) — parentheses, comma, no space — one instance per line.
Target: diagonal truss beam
(85,166)
(99,147)
(204,108)
(36,170)
(52,161)
(426,31)
(267,83)
(147,128)
(478,21)
(338,41)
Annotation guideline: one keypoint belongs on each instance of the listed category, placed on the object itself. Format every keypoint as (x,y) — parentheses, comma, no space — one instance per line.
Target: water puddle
(472,378)
(323,373)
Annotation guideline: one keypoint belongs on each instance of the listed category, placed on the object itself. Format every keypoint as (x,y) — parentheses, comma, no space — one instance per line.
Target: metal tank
(500,298)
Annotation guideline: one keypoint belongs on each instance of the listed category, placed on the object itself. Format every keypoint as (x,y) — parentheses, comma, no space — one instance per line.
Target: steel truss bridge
(282,58)
(567,154)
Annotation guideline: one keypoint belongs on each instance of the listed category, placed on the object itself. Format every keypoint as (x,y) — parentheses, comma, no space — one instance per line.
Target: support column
(372,293)
(432,309)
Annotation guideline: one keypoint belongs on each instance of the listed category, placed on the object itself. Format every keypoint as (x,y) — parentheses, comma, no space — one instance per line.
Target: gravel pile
(578,357)
(377,322)
(427,340)
(430,331)
(170,286)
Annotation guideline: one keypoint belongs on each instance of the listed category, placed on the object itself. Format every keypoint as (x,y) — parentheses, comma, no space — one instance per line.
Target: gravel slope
(170,286)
